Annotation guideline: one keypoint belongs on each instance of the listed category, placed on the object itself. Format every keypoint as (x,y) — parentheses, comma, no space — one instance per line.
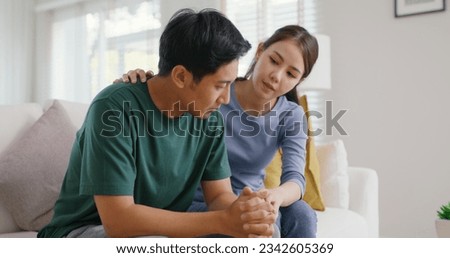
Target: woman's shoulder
(284,105)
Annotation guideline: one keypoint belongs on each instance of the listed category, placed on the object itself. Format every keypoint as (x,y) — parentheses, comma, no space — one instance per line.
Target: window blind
(258,19)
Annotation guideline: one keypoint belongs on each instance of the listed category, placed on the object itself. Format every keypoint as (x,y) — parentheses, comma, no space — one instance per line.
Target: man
(142,151)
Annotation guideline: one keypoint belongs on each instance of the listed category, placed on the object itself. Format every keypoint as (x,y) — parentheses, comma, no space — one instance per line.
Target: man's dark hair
(200,41)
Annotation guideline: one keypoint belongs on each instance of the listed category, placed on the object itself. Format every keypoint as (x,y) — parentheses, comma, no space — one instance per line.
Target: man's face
(212,91)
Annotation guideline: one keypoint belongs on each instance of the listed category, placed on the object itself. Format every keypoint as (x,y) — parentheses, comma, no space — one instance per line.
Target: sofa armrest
(363,188)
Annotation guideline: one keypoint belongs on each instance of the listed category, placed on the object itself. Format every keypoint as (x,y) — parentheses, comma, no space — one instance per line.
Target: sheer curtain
(83,45)
(16,51)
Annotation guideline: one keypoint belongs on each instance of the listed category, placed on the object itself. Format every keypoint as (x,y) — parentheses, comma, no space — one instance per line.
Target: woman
(263,115)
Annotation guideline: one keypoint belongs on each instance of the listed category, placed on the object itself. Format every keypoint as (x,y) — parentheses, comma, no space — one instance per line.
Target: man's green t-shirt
(126,146)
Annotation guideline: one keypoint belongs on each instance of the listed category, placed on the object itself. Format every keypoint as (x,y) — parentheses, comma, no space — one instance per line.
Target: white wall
(393,74)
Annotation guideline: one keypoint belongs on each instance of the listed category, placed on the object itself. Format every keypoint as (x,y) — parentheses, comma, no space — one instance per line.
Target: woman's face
(278,69)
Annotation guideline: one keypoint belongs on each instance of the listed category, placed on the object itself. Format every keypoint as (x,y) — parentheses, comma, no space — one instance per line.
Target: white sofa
(356,216)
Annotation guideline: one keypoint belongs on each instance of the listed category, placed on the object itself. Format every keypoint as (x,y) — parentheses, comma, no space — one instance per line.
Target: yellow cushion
(312,195)
(273,172)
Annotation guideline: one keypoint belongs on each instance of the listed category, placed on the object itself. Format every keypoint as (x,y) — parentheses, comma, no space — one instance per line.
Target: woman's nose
(275,76)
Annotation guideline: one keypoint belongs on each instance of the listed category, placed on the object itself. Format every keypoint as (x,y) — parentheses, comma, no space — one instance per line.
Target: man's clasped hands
(254,213)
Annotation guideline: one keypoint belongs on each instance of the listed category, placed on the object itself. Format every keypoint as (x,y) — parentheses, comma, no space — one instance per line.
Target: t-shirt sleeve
(108,166)
(217,166)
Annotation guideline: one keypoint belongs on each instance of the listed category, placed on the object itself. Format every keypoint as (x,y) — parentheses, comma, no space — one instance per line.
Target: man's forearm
(222,202)
(142,220)
(121,217)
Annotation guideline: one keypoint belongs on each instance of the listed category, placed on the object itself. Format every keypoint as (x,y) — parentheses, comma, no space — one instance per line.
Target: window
(94,42)
(122,39)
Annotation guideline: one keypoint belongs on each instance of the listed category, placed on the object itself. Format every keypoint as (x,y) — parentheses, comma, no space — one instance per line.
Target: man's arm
(121,217)
(218,194)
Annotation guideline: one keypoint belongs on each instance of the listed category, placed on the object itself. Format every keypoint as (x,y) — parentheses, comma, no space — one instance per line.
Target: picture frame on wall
(414,7)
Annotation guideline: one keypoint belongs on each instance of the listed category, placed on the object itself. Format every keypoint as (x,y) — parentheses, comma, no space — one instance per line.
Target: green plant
(444,213)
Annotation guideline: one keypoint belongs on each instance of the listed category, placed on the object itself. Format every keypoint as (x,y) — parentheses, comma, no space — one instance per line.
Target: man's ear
(181,76)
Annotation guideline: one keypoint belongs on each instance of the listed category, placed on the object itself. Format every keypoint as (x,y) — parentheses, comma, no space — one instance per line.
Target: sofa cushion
(16,119)
(334,176)
(75,110)
(335,222)
(32,169)
(273,172)
(313,195)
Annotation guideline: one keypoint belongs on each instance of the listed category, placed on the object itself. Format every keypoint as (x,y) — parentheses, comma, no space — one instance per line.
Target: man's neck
(164,95)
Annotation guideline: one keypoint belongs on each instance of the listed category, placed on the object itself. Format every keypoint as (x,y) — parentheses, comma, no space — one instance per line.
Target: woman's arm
(285,194)
(293,145)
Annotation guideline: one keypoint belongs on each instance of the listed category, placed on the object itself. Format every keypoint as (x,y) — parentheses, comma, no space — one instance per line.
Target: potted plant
(443,221)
